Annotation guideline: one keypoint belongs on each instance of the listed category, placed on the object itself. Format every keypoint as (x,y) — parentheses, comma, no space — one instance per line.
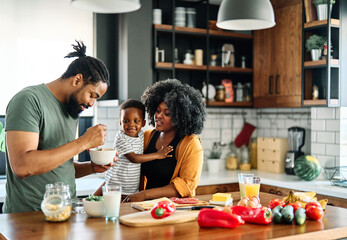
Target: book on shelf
(310,11)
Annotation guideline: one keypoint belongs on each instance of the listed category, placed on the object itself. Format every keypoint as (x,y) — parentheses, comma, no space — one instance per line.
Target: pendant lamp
(107,6)
(245,15)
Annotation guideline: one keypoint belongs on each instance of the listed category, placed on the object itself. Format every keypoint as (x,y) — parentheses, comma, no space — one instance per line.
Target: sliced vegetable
(261,215)
(215,218)
(163,209)
(93,198)
(276,202)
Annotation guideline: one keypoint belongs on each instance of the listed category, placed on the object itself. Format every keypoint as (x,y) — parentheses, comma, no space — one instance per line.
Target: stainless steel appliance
(296,140)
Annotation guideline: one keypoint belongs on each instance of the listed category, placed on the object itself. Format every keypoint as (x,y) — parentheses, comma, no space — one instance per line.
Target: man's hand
(102,168)
(94,136)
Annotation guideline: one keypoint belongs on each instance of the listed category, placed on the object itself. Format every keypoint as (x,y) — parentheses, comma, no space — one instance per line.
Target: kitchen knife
(194,207)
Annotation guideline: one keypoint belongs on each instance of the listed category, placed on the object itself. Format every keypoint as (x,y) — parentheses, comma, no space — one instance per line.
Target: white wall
(35,36)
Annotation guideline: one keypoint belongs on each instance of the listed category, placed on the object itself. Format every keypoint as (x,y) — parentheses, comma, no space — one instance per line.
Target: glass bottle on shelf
(247,92)
(239,92)
(245,162)
(232,160)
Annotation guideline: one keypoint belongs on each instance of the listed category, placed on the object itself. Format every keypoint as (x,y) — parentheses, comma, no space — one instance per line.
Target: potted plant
(315,45)
(213,159)
(322,8)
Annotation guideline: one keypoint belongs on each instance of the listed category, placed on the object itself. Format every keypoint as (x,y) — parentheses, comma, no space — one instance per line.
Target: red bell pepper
(215,218)
(261,215)
(163,209)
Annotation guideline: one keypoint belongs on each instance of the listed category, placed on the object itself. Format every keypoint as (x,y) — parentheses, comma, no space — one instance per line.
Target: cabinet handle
(270,81)
(225,189)
(272,191)
(276,81)
(217,189)
(279,193)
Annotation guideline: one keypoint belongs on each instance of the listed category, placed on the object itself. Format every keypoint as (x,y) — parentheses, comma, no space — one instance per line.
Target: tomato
(276,202)
(314,212)
(317,204)
(296,206)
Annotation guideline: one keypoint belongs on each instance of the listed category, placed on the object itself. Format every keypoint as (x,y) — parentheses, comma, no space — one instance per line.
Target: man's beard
(73,107)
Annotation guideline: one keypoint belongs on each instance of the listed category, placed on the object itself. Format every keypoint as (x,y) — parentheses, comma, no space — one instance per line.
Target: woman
(177,112)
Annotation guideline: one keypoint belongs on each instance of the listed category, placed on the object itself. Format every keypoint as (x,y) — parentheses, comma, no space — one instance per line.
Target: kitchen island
(33,226)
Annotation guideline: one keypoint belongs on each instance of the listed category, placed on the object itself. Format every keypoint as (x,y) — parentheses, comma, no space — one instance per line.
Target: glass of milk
(112,198)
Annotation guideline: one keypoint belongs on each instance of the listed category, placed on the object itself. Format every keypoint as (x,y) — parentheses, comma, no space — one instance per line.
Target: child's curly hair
(185,103)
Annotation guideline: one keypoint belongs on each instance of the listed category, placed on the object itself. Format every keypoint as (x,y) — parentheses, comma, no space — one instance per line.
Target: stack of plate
(180,16)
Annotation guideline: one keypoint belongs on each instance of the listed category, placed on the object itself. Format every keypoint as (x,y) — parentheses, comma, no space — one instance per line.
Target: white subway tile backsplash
(337,113)
(325,113)
(332,125)
(318,125)
(238,123)
(332,150)
(318,148)
(313,113)
(326,137)
(337,138)
(313,136)
(264,123)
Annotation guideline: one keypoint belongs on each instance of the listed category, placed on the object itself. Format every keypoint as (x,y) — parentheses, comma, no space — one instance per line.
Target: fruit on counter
(288,214)
(259,215)
(314,210)
(295,206)
(215,218)
(276,214)
(303,198)
(276,202)
(307,167)
(163,209)
(300,216)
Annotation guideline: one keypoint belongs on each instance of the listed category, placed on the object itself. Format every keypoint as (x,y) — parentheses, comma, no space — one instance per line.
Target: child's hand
(164,151)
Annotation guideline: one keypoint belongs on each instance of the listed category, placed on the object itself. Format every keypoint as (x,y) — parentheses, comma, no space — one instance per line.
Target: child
(129,144)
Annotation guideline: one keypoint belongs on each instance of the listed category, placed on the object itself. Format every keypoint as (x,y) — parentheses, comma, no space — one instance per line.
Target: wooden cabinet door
(277,58)
(263,63)
(288,48)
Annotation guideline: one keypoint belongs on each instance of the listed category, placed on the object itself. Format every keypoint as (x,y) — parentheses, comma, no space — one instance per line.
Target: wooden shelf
(229,104)
(201,31)
(318,102)
(314,24)
(168,66)
(321,63)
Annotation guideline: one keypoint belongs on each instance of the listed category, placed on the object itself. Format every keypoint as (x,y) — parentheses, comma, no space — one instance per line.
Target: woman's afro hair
(185,103)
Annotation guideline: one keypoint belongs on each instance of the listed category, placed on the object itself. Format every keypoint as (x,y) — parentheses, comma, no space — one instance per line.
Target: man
(41,124)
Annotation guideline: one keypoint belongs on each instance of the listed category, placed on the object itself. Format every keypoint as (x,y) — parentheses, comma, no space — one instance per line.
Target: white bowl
(103,156)
(94,208)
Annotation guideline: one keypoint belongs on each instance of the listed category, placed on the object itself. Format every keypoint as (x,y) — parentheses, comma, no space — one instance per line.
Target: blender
(296,140)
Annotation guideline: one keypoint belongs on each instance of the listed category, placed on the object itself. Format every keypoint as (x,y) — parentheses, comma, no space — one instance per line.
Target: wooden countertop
(33,226)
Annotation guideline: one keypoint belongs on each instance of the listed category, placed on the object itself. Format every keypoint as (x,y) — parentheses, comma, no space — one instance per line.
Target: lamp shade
(245,15)
(107,6)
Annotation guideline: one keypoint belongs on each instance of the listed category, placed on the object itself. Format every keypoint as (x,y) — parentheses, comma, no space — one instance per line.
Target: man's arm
(27,161)
(141,158)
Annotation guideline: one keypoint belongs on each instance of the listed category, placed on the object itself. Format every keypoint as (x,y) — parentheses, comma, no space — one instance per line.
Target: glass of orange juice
(252,186)
(241,177)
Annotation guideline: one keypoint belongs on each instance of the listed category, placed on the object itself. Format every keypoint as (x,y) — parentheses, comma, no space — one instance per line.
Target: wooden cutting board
(144,219)
(140,206)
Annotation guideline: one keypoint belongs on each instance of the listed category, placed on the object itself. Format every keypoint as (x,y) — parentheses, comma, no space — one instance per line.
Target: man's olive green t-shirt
(36,109)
